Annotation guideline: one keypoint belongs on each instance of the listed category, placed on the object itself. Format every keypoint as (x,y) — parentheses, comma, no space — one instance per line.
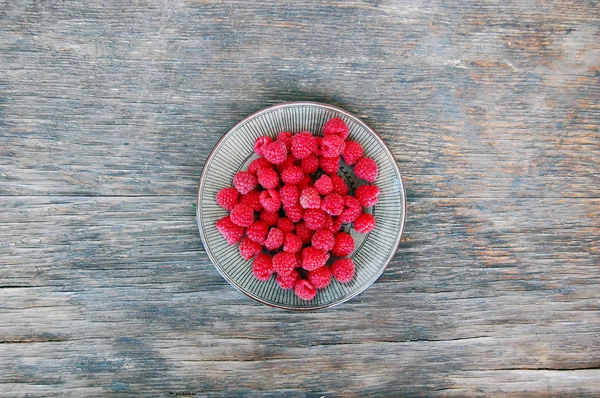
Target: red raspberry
(310,198)
(231,232)
(249,248)
(332,146)
(285,225)
(259,163)
(305,290)
(244,182)
(284,263)
(270,200)
(323,239)
(324,185)
(336,126)
(367,195)
(290,195)
(303,144)
(262,267)
(259,144)
(269,218)
(364,223)
(320,278)
(257,232)
(328,223)
(344,244)
(319,141)
(333,204)
(366,168)
(352,152)
(336,225)
(305,182)
(274,239)
(310,164)
(329,165)
(288,281)
(304,233)
(343,270)
(242,215)
(293,244)
(294,212)
(251,199)
(289,161)
(352,209)
(313,258)
(267,178)
(227,198)
(314,219)
(292,175)
(275,152)
(286,138)
(339,186)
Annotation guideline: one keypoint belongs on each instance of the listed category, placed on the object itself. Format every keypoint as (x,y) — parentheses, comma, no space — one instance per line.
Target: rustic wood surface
(108,110)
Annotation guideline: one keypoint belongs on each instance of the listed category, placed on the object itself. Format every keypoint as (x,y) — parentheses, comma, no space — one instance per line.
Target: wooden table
(108,110)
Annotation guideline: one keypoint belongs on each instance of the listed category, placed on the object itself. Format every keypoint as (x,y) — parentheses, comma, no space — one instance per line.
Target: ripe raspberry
(324,185)
(323,239)
(364,223)
(231,232)
(352,209)
(292,175)
(244,182)
(332,146)
(329,165)
(314,219)
(310,198)
(284,263)
(336,225)
(343,270)
(320,278)
(313,258)
(242,215)
(275,152)
(367,195)
(304,233)
(286,138)
(292,244)
(249,248)
(294,212)
(310,164)
(328,223)
(344,244)
(259,163)
(270,200)
(305,182)
(269,218)
(227,198)
(259,144)
(333,204)
(286,225)
(262,267)
(257,232)
(339,186)
(319,141)
(251,199)
(305,290)
(288,281)
(267,178)
(366,168)
(290,195)
(303,144)
(274,239)
(353,151)
(336,126)
(289,161)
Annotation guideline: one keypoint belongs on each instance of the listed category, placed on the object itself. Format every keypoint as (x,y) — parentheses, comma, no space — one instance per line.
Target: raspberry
(244,182)
(284,263)
(285,225)
(292,175)
(259,163)
(339,186)
(305,290)
(367,195)
(292,244)
(336,126)
(288,281)
(275,152)
(328,223)
(333,204)
(269,218)
(242,215)
(262,267)
(294,212)
(249,248)
(304,233)
(289,161)
(310,198)
(364,223)
(323,239)
(320,277)
(323,185)
(366,168)
(313,258)
(251,199)
(343,270)
(286,138)
(227,198)
(332,146)
(330,165)
(319,141)
(303,144)
(267,178)
(274,239)
(305,182)
(310,164)
(314,219)
(270,200)
(231,232)
(352,209)
(259,144)
(257,232)
(336,225)
(344,244)
(290,195)
(352,152)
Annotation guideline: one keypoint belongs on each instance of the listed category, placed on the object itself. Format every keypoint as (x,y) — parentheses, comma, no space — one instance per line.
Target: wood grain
(108,111)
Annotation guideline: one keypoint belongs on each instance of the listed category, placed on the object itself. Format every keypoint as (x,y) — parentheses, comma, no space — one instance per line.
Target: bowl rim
(396,244)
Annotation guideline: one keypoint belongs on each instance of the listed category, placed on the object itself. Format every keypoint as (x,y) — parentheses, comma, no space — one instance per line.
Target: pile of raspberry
(287,210)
